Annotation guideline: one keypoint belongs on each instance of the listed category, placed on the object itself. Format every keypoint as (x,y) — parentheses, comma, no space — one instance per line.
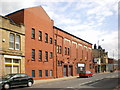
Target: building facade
(12,47)
(49,51)
(100,59)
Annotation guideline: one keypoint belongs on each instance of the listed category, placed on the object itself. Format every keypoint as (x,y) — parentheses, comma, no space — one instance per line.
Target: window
(40,55)
(11,41)
(68,51)
(40,73)
(65,51)
(46,73)
(59,63)
(50,40)
(90,66)
(17,42)
(51,73)
(55,42)
(60,49)
(46,37)
(46,56)
(51,55)
(33,73)
(57,49)
(33,33)
(40,36)
(33,54)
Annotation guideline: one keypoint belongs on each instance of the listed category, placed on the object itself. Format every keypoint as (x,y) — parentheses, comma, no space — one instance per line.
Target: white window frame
(17,42)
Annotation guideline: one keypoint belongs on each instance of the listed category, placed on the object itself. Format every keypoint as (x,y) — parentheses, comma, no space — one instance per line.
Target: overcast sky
(91,20)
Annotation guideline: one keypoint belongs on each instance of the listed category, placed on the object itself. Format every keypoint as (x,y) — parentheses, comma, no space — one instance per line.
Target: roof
(71,34)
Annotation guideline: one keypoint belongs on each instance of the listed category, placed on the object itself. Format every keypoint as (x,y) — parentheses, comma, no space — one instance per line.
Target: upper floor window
(50,40)
(46,56)
(33,54)
(68,51)
(46,37)
(60,49)
(33,33)
(40,36)
(55,42)
(11,41)
(65,51)
(57,49)
(17,42)
(40,55)
(51,55)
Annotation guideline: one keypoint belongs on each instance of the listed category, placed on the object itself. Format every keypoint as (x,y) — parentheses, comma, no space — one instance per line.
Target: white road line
(93,83)
(70,87)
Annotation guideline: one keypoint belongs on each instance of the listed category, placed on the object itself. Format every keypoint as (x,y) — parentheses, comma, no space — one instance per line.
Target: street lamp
(99,56)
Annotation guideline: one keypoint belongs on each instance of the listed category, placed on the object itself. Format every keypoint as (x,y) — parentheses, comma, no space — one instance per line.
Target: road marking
(70,87)
(93,83)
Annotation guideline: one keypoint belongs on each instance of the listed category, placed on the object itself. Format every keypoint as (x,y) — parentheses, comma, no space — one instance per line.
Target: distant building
(112,64)
(51,52)
(100,59)
(12,47)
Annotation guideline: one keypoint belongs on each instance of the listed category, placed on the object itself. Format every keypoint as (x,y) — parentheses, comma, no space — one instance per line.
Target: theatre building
(12,47)
(49,51)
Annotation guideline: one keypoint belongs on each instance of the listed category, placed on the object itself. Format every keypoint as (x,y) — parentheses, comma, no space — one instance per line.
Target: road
(106,81)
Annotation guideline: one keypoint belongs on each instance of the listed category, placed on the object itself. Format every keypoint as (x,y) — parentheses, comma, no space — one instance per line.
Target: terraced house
(50,52)
(12,47)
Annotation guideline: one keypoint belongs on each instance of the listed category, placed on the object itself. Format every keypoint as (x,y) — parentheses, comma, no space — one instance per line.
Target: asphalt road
(106,81)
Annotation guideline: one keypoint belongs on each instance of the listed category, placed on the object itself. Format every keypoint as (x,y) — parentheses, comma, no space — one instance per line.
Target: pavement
(57,79)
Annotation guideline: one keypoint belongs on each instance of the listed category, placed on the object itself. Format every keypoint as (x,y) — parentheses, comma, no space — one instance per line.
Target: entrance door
(71,70)
(65,70)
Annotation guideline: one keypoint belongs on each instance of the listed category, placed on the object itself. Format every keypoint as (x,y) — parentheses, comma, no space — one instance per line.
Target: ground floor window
(51,73)
(46,73)
(33,73)
(40,73)
(12,65)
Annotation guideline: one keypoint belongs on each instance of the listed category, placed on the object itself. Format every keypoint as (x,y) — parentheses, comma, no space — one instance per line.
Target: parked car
(10,80)
(85,74)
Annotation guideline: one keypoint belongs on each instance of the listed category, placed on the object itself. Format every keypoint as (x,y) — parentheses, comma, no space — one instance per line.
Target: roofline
(14,12)
(71,34)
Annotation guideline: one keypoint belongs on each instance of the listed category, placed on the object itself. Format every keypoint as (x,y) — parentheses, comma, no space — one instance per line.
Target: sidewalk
(57,79)
(51,80)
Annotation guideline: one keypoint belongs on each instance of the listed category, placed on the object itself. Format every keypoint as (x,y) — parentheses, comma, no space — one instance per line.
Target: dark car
(10,80)
(85,74)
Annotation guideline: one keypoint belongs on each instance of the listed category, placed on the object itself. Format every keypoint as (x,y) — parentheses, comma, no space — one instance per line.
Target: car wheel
(29,84)
(6,86)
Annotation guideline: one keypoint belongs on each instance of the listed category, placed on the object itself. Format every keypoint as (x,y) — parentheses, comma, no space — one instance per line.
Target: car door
(24,79)
(16,80)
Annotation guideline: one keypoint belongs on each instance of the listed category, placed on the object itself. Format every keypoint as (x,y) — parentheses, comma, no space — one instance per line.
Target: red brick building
(49,51)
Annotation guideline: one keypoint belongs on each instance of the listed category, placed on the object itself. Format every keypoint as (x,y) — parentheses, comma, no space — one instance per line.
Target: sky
(91,20)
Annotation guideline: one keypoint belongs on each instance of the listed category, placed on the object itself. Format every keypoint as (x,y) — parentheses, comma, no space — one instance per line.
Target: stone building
(12,47)
(100,59)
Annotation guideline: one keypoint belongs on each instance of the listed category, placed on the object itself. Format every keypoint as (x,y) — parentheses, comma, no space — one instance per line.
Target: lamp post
(99,57)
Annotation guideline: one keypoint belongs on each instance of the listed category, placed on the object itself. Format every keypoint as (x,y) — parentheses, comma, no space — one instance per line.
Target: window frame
(12,41)
(46,73)
(33,33)
(33,54)
(46,56)
(46,38)
(40,55)
(40,73)
(40,36)
(51,41)
(51,55)
(17,42)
